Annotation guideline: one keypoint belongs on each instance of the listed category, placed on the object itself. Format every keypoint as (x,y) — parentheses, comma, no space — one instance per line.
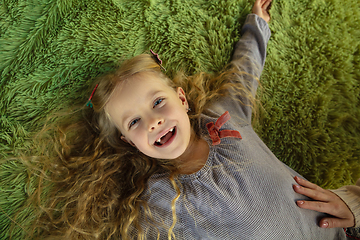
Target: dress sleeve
(249,57)
(251,47)
(351,196)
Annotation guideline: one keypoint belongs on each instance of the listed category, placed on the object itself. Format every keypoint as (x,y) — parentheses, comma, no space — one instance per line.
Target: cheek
(176,108)
(137,136)
(184,120)
(133,136)
(187,124)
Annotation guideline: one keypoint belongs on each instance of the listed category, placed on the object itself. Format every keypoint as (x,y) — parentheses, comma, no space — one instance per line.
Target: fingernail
(325,224)
(300,202)
(297,179)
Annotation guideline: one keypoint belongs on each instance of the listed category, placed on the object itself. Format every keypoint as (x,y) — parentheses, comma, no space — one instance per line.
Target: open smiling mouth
(166,139)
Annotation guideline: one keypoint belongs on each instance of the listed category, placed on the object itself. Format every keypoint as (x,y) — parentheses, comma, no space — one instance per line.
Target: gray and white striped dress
(243,191)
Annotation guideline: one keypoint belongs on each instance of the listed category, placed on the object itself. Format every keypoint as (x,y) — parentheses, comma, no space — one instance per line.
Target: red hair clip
(92,94)
(157,59)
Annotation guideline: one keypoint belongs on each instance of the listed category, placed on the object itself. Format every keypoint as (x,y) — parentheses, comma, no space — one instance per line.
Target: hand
(261,8)
(325,201)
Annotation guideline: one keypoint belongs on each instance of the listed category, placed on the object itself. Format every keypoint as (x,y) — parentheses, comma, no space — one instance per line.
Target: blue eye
(133,122)
(158,101)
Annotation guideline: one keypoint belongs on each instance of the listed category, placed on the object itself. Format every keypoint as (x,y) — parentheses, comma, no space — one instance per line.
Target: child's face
(151,115)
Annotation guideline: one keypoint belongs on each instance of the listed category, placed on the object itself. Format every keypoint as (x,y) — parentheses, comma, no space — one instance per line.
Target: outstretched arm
(250,53)
(327,202)
(255,35)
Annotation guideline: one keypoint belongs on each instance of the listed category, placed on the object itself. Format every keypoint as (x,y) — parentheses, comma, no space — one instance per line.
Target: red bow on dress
(216,134)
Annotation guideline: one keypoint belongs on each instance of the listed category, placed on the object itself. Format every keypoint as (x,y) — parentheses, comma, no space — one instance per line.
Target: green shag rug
(50,50)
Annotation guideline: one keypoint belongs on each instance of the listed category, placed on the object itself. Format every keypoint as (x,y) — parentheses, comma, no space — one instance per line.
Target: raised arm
(251,48)
(250,53)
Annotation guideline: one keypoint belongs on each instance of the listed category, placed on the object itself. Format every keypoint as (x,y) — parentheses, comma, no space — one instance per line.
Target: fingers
(324,201)
(266,4)
(317,206)
(305,183)
(311,190)
(335,223)
(261,8)
(337,208)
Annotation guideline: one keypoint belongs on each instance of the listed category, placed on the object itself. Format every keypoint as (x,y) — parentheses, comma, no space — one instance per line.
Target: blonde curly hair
(97,180)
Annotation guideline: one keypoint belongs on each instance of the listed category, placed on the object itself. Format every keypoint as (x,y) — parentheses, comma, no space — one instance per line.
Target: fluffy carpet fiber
(50,50)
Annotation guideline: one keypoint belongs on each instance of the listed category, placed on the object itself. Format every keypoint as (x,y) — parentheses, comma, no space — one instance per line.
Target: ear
(127,141)
(182,97)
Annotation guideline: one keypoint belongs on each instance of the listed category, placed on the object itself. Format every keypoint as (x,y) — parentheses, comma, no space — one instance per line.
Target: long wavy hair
(96,179)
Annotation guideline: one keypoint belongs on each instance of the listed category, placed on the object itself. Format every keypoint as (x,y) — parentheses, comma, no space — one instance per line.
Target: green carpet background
(309,116)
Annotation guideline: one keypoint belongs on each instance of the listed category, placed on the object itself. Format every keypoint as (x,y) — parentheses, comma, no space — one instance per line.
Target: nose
(155,123)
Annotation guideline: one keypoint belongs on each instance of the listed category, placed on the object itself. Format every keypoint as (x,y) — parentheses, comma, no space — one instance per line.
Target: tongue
(165,138)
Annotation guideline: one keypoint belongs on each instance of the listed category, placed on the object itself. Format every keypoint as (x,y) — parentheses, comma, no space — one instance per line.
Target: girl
(161,159)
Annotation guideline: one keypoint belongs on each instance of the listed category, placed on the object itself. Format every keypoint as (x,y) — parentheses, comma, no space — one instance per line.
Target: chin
(173,155)
(177,153)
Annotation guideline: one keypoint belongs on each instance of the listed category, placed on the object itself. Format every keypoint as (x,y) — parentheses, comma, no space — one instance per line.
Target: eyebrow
(127,114)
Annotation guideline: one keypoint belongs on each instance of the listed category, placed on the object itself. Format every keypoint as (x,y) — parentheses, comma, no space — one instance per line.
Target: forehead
(139,85)
(133,93)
